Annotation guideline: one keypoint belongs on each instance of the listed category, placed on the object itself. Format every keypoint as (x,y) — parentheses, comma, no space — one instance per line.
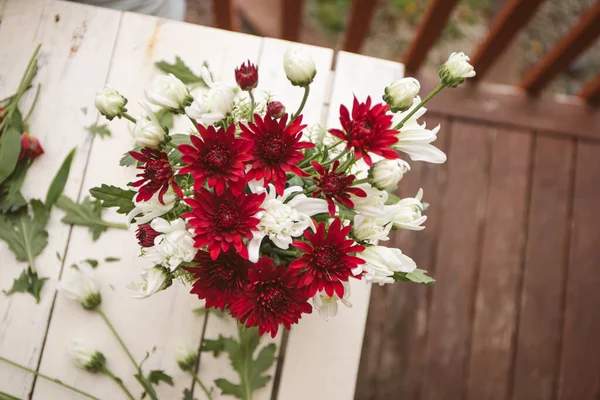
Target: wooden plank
(506,25)
(358,25)
(165,320)
(540,320)
(291,19)
(580,357)
(428,31)
(404,335)
(225,15)
(591,91)
(457,259)
(579,38)
(498,288)
(315,345)
(503,105)
(59,127)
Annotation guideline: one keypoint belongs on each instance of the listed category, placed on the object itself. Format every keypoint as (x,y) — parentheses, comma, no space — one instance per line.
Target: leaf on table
(27,282)
(187,394)
(181,71)
(88,213)
(157,376)
(165,118)
(111,259)
(417,276)
(16,121)
(26,234)
(93,263)
(11,198)
(60,180)
(112,196)
(215,346)
(101,131)
(250,370)
(10,148)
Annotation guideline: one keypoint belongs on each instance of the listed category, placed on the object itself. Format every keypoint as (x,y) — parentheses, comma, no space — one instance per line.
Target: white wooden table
(83,48)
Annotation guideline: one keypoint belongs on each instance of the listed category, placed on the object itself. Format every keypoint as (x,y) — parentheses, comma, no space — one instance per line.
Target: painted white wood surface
(322,358)
(69,70)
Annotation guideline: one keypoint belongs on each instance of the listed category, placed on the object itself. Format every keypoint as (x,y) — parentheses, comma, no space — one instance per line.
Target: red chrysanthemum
(30,147)
(246,76)
(271,298)
(275,109)
(326,261)
(335,186)
(368,131)
(157,174)
(222,221)
(275,149)
(219,281)
(218,158)
(145,235)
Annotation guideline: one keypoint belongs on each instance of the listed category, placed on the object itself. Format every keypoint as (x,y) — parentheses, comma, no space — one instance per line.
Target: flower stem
(306,92)
(35,99)
(359,181)
(129,117)
(329,162)
(252,105)
(204,388)
(421,104)
(46,377)
(335,145)
(116,335)
(115,225)
(194,122)
(119,382)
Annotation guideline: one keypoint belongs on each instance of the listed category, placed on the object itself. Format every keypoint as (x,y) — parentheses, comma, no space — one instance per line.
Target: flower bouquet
(265,217)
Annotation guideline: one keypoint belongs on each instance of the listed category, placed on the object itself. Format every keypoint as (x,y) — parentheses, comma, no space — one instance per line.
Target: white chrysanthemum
(109,102)
(79,283)
(415,139)
(381,262)
(373,203)
(174,245)
(281,221)
(152,208)
(147,131)
(327,306)
(371,229)
(386,174)
(186,358)
(454,71)
(408,213)
(401,93)
(169,92)
(212,105)
(87,358)
(299,66)
(153,281)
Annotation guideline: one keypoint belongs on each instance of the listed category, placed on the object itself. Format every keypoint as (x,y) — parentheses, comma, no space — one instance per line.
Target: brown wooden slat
(429,30)
(508,105)
(540,322)
(291,21)
(507,24)
(580,359)
(405,332)
(496,301)
(357,30)
(224,14)
(456,262)
(591,91)
(581,36)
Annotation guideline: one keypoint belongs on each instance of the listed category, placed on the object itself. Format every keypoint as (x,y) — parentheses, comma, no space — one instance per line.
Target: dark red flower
(369,130)
(335,186)
(219,281)
(275,109)
(157,175)
(30,148)
(246,76)
(145,235)
(271,298)
(326,262)
(275,149)
(221,221)
(217,158)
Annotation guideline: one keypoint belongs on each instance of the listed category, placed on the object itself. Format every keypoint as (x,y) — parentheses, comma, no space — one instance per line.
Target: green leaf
(27,282)
(215,346)
(60,180)
(101,131)
(250,370)
(88,213)
(111,259)
(187,394)
(180,138)
(127,160)
(11,198)
(93,263)
(165,118)
(157,376)
(112,196)
(26,234)
(16,121)
(10,148)
(417,276)
(180,70)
